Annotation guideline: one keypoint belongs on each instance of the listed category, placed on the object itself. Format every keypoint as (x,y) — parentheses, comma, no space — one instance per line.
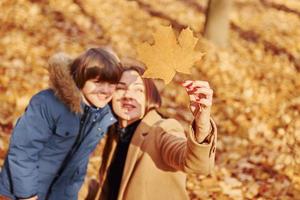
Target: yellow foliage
(169,55)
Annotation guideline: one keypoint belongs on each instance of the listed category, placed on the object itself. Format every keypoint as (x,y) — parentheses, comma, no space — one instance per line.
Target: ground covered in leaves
(255,80)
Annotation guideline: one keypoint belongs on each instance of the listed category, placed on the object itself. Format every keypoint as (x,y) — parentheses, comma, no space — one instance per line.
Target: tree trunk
(216,27)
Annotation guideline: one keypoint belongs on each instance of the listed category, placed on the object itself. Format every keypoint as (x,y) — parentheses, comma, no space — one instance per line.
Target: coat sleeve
(29,136)
(184,153)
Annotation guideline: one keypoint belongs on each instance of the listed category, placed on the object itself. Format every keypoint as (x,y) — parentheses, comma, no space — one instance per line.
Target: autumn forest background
(252,61)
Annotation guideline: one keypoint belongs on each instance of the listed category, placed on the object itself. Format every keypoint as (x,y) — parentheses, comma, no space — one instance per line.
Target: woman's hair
(96,63)
(153,99)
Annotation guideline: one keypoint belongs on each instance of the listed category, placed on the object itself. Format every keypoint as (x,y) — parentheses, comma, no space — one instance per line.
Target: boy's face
(97,93)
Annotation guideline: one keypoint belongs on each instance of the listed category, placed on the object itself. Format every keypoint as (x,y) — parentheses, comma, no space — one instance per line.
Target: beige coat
(158,158)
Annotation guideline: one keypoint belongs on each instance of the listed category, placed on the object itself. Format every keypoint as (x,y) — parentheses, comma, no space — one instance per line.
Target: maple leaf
(169,55)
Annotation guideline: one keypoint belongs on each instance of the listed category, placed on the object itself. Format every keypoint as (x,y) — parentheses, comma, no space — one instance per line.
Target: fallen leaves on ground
(256,92)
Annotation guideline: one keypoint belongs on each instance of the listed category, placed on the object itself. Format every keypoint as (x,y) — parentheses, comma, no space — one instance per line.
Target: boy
(52,140)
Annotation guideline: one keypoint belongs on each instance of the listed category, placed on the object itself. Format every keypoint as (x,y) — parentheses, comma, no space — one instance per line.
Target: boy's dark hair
(96,63)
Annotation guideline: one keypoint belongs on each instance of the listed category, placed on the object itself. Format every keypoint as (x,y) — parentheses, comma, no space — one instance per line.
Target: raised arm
(196,152)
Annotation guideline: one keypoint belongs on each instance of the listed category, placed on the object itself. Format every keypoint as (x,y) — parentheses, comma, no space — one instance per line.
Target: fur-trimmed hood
(62,82)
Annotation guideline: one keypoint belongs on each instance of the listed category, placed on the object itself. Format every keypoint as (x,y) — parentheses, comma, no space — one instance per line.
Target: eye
(96,82)
(120,87)
(139,90)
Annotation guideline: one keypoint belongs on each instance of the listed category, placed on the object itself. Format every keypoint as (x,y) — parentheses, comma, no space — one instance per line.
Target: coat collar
(137,140)
(62,83)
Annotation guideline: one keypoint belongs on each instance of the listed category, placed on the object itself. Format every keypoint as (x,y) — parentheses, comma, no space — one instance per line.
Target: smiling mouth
(102,96)
(128,106)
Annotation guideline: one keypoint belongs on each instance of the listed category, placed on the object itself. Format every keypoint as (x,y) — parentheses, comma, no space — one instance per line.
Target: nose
(127,94)
(107,88)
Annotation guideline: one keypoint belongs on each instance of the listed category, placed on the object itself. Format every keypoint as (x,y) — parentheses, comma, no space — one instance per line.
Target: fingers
(195,107)
(205,92)
(200,95)
(188,84)
(205,102)
(202,102)
(198,90)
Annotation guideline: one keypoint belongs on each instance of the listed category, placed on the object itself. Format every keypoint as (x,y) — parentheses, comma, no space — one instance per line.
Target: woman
(147,156)
(51,142)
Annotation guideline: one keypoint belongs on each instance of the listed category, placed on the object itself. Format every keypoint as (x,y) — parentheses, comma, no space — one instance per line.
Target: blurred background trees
(217,23)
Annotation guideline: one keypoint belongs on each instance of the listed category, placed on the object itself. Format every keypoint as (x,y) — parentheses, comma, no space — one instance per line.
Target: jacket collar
(137,140)
(147,122)
(62,83)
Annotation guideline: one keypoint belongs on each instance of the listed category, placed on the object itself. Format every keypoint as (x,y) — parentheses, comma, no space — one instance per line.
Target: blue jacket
(51,143)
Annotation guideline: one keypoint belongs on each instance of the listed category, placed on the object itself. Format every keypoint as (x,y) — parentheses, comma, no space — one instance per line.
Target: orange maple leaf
(169,54)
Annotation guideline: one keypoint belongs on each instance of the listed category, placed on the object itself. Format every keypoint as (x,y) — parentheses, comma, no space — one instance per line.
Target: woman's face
(129,99)
(97,93)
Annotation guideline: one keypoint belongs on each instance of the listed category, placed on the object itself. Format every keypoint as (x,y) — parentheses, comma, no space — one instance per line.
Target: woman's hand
(201,96)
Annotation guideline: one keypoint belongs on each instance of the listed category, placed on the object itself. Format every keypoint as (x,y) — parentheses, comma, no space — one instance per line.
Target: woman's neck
(124,123)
